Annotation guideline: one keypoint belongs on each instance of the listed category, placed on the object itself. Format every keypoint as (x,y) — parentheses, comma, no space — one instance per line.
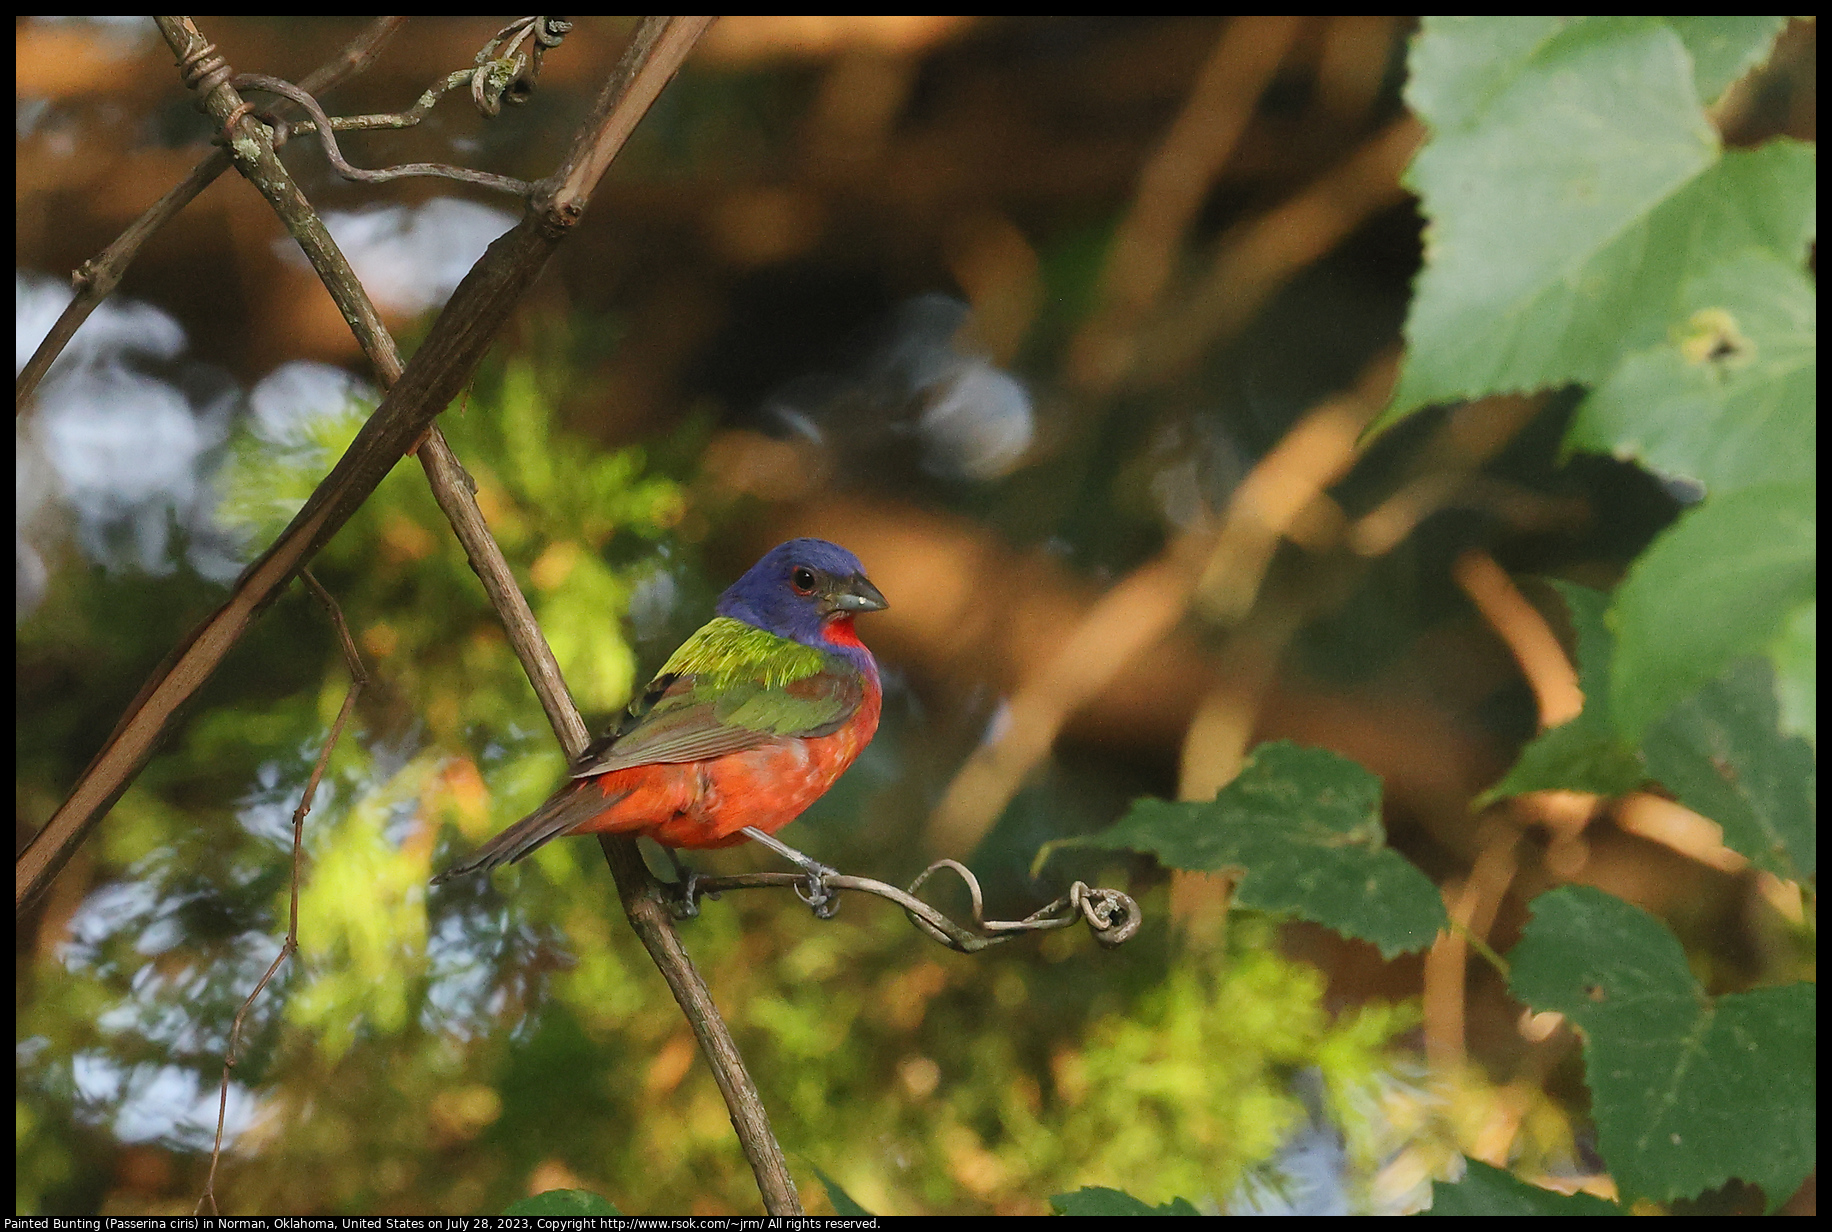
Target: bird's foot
(818,895)
(684,900)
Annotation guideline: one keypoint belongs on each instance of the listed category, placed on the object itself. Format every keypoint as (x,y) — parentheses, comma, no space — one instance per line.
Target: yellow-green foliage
(362,922)
(450,1050)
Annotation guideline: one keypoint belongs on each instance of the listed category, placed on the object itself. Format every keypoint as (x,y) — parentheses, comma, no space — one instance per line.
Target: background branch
(97,278)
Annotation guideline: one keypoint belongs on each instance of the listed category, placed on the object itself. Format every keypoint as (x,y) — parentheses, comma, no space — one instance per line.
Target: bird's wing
(686,716)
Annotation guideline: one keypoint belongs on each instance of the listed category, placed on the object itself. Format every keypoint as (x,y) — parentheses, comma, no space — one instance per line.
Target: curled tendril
(508,74)
(503,69)
(286,89)
(1111,916)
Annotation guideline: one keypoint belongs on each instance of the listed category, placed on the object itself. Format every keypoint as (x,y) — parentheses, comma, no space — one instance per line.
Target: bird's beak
(856,594)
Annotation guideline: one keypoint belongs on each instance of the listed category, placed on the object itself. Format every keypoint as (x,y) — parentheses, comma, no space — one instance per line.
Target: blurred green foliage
(459,1049)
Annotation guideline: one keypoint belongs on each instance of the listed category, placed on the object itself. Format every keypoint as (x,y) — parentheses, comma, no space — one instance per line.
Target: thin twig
(421,108)
(251,145)
(286,89)
(1113,917)
(455,492)
(289,947)
(1523,629)
(96,279)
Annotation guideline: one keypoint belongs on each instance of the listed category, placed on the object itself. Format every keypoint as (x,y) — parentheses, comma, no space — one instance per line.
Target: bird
(746,725)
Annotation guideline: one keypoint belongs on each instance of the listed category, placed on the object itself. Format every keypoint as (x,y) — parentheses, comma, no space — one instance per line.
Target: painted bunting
(745,726)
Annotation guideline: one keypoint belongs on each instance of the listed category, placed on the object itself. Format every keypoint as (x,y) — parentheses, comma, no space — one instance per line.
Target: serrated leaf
(1724,48)
(1573,185)
(1539,192)
(1304,824)
(563,1202)
(1721,582)
(1457,65)
(1099,1200)
(1486,1190)
(1687,1092)
(1586,753)
(1795,654)
(1731,397)
(1722,753)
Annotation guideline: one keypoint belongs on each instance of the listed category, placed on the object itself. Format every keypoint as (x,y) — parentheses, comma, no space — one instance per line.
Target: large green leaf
(1724,48)
(1687,1091)
(1722,752)
(1723,581)
(1538,189)
(1573,186)
(1304,826)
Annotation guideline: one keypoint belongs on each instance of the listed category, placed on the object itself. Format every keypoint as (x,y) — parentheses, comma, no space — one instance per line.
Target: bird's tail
(571,806)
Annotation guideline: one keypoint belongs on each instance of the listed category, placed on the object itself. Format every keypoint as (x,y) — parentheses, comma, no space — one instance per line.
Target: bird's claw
(825,902)
(684,903)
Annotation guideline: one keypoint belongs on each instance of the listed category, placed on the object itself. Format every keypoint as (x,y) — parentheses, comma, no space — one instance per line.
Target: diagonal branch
(403,423)
(438,371)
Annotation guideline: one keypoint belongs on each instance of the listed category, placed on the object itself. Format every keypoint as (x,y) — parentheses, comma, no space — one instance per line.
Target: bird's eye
(802,579)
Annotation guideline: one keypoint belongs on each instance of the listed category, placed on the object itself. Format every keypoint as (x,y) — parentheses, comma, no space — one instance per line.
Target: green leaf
(1574,186)
(1795,652)
(1723,581)
(1540,189)
(1586,753)
(1730,398)
(1486,1190)
(1724,48)
(1687,1091)
(1305,825)
(842,1201)
(1722,752)
(563,1202)
(1099,1200)
(1724,756)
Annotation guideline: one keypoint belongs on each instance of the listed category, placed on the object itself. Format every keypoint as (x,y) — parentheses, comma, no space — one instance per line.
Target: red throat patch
(840,632)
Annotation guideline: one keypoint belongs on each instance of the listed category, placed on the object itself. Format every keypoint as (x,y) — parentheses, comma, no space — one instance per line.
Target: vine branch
(1113,917)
